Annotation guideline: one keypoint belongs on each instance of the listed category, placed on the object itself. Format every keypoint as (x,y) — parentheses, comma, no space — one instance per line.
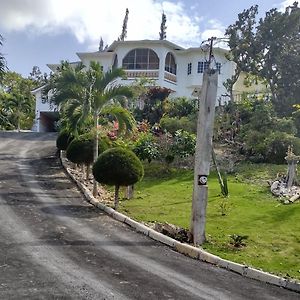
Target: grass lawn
(273,229)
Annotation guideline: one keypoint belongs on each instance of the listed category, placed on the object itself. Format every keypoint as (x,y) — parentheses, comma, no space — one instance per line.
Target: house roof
(38,89)
(169,44)
(53,67)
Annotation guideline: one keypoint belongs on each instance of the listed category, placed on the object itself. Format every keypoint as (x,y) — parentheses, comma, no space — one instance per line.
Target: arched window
(141,59)
(115,64)
(170,65)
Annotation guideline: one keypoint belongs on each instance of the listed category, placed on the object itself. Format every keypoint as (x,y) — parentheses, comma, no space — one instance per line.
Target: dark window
(189,68)
(218,66)
(141,59)
(202,66)
(170,65)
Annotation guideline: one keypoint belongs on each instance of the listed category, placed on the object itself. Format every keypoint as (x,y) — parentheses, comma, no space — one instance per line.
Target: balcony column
(161,74)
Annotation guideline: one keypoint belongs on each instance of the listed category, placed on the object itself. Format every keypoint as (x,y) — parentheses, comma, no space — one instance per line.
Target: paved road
(54,245)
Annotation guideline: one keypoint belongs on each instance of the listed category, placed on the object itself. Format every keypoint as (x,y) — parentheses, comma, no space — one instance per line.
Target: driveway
(54,245)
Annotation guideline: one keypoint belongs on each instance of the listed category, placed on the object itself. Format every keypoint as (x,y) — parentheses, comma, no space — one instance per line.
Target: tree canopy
(269,48)
(16,102)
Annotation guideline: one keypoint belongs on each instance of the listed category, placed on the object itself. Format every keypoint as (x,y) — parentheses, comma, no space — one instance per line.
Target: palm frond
(125,119)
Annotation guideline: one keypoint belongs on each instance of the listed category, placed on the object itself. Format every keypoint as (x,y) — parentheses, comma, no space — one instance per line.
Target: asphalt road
(54,245)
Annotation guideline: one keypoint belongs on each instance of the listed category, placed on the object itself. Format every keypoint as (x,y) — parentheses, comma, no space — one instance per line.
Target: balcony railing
(142,73)
(170,77)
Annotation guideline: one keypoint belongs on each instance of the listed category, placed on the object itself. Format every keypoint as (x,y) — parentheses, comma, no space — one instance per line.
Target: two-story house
(166,63)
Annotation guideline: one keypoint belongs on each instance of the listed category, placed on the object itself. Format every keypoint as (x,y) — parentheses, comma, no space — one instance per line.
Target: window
(202,66)
(170,65)
(189,69)
(218,67)
(141,59)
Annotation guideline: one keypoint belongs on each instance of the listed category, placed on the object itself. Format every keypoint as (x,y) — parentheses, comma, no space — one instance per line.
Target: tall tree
(37,76)
(124,27)
(17,102)
(85,93)
(2,60)
(270,49)
(163,27)
(242,45)
(101,45)
(278,34)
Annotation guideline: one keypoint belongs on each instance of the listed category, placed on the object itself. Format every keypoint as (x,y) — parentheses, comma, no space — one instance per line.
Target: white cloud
(214,29)
(90,19)
(285,4)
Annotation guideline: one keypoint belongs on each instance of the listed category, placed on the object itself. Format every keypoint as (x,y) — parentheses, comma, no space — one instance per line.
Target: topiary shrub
(63,140)
(80,150)
(118,167)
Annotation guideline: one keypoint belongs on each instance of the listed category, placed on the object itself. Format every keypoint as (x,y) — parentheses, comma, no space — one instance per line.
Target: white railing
(170,76)
(142,73)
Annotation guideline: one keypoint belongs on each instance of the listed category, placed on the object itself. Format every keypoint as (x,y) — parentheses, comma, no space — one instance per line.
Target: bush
(63,140)
(173,124)
(277,145)
(270,147)
(118,167)
(184,143)
(80,150)
(145,148)
(286,125)
(181,107)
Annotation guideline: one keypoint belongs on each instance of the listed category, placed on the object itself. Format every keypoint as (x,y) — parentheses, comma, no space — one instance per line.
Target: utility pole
(205,126)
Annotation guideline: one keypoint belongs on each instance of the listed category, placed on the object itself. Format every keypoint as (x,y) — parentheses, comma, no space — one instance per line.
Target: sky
(37,32)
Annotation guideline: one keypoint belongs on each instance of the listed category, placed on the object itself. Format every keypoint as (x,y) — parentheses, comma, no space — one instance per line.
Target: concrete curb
(191,251)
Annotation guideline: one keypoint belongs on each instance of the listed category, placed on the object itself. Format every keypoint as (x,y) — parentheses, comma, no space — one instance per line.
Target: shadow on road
(73,211)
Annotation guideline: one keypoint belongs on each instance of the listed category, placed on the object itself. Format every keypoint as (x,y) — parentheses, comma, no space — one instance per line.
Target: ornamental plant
(80,150)
(119,167)
(145,147)
(63,140)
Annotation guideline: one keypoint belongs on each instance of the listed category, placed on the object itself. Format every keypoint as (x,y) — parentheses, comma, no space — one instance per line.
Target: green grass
(273,244)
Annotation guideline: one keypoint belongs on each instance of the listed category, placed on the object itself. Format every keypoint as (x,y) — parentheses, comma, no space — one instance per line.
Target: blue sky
(37,32)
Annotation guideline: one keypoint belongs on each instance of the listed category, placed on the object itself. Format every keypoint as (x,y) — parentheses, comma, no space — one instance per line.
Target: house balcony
(131,74)
(170,77)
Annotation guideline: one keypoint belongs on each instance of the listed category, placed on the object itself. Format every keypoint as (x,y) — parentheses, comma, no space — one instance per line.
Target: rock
(294,198)
(173,231)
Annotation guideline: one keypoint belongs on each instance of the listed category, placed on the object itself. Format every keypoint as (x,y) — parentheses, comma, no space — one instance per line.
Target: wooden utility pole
(205,127)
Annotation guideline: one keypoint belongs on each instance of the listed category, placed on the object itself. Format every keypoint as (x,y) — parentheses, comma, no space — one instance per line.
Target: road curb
(191,251)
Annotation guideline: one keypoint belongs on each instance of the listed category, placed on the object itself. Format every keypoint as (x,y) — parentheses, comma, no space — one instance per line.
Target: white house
(168,64)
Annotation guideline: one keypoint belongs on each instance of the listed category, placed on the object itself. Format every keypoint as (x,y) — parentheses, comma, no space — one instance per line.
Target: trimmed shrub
(118,167)
(63,140)
(80,150)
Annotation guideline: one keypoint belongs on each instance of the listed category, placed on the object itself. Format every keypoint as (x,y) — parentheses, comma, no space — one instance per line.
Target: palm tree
(19,105)
(80,93)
